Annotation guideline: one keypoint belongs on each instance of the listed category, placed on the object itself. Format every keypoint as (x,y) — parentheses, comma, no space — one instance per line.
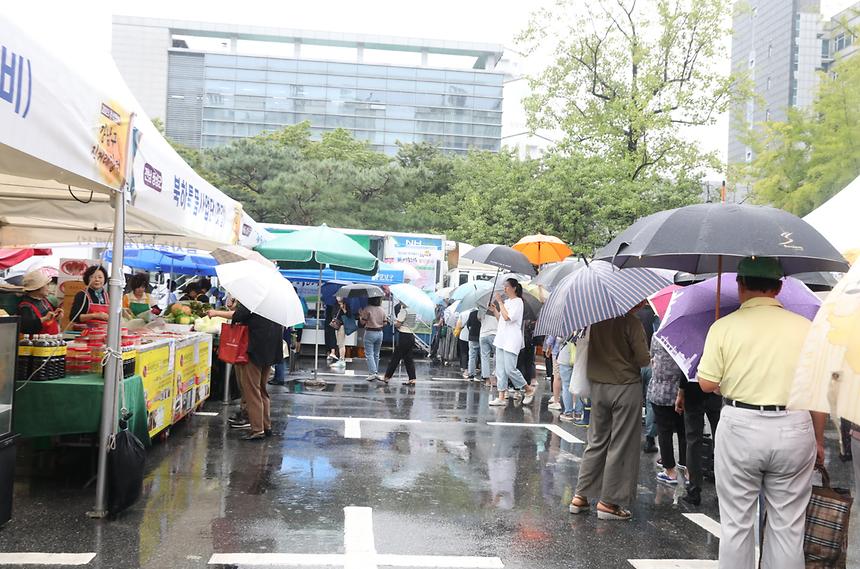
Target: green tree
(628,76)
(806,159)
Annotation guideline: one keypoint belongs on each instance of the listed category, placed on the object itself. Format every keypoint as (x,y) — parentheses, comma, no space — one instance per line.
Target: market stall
(106,177)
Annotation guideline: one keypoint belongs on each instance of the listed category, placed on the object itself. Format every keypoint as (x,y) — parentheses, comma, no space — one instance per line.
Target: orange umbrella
(541,249)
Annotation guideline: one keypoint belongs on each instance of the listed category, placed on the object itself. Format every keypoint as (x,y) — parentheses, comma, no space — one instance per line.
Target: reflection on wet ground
(438,479)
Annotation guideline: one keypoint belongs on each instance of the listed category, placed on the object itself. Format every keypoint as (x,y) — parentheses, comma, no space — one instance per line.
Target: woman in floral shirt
(662,390)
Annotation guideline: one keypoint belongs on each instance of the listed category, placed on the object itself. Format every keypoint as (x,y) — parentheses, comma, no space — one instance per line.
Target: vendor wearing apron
(137,301)
(38,315)
(90,308)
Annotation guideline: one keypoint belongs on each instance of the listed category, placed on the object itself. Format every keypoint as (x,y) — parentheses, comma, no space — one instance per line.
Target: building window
(769,50)
(767,115)
(749,156)
(825,48)
(842,41)
(767,88)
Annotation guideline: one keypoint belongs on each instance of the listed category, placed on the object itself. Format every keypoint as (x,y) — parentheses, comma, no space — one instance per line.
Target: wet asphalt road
(437,478)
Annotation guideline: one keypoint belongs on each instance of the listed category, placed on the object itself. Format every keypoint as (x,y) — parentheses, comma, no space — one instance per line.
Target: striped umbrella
(595,293)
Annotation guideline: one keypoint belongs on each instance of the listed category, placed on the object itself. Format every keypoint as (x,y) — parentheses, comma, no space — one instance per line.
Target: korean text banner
(53,123)
(164,185)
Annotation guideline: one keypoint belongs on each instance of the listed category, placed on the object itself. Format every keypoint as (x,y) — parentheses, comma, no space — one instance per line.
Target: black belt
(374,329)
(742,405)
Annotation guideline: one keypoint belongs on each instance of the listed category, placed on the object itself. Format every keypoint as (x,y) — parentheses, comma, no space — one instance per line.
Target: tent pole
(719,285)
(317,343)
(112,368)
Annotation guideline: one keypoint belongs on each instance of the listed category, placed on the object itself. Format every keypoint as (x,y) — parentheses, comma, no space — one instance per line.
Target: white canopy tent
(76,154)
(836,218)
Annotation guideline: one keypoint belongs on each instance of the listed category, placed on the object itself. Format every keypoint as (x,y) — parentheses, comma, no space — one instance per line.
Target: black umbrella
(707,238)
(818,281)
(551,275)
(359,291)
(502,257)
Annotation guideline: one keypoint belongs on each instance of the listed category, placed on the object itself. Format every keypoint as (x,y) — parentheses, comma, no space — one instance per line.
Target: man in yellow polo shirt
(750,358)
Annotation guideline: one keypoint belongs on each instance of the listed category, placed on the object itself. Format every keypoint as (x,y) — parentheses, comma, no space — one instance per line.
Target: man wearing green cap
(761,447)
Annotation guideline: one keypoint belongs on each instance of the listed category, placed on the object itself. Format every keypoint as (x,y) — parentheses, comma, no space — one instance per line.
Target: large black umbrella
(502,257)
(550,276)
(708,238)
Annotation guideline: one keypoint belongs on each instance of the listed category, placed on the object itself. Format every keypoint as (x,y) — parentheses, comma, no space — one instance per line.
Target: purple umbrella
(691,314)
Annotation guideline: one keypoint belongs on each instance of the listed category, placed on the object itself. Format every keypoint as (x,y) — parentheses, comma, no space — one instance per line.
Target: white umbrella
(263,291)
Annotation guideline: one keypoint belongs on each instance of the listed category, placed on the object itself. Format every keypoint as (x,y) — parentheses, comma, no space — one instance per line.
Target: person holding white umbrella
(267,303)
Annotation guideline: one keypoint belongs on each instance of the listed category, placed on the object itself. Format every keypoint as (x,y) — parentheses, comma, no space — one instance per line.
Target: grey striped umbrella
(595,293)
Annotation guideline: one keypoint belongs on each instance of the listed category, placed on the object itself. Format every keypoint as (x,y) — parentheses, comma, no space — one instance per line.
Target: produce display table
(72,405)
(177,373)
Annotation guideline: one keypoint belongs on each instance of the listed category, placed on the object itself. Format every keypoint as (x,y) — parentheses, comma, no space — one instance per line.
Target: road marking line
(352,428)
(441,561)
(360,552)
(279,559)
(707,523)
(206,413)
(673,563)
(565,435)
(358,531)
(449,379)
(46,558)
(352,425)
(555,429)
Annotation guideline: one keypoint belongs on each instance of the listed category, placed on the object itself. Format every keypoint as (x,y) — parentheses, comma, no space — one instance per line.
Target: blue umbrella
(167,261)
(416,299)
(595,293)
(464,289)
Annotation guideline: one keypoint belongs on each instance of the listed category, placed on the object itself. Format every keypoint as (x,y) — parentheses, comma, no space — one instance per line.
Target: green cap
(760,267)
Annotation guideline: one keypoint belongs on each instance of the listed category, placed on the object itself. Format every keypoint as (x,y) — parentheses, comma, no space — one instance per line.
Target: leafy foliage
(803,161)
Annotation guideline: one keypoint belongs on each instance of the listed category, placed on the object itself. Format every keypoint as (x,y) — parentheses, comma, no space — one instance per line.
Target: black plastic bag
(126,463)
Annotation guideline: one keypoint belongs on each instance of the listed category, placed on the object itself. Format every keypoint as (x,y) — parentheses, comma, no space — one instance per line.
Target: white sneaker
(528,398)
(553,406)
(498,402)
(339,363)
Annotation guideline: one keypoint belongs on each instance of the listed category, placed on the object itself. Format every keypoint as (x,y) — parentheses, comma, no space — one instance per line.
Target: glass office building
(213,96)
(243,96)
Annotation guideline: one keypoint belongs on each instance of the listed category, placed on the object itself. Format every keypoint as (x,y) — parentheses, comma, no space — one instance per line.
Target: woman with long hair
(509,341)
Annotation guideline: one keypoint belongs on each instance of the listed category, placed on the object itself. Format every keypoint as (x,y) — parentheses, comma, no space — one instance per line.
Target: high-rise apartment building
(213,83)
(777,43)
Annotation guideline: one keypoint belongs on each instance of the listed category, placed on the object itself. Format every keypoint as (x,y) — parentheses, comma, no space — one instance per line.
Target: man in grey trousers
(750,357)
(617,351)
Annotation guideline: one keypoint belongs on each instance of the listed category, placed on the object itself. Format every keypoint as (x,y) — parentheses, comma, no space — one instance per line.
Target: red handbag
(233,346)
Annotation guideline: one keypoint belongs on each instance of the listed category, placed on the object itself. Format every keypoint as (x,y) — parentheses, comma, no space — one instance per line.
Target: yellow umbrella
(541,249)
(828,371)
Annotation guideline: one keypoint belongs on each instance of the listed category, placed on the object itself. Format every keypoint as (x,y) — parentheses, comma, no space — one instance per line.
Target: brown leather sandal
(612,512)
(579,505)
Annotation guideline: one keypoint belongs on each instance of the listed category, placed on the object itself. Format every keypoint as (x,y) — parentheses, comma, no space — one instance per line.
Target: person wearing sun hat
(750,358)
(38,315)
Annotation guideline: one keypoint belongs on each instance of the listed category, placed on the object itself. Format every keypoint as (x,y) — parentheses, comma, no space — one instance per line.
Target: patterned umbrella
(595,293)
(551,275)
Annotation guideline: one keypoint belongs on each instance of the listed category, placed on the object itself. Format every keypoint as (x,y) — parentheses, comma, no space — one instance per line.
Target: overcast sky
(86,25)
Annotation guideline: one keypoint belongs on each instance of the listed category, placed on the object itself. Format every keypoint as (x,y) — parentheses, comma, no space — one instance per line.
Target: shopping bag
(233,346)
(579,383)
(825,538)
(126,461)
(350,325)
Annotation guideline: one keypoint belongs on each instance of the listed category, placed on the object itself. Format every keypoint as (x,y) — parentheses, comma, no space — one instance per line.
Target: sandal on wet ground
(579,505)
(409,382)
(612,512)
